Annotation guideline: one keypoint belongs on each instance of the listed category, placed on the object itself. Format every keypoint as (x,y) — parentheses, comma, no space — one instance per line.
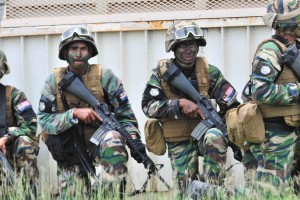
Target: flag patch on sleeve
(123,96)
(23,106)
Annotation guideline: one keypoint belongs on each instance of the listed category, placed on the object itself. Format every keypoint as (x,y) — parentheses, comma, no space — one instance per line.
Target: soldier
(275,87)
(178,113)
(60,112)
(18,127)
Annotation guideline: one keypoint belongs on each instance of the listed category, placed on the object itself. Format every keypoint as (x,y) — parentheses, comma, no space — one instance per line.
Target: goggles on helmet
(184,32)
(81,32)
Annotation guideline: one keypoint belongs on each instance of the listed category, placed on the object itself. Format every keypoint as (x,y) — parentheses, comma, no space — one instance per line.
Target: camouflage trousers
(110,162)
(22,156)
(273,158)
(184,159)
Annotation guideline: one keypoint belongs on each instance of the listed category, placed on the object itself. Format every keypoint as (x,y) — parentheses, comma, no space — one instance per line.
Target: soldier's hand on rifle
(140,147)
(190,109)
(3,141)
(87,115)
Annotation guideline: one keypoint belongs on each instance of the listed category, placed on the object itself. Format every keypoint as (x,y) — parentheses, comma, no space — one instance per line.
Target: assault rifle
(6,168)
(73,85)
(212,118)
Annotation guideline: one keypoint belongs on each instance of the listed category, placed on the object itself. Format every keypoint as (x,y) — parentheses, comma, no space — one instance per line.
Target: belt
(277,124)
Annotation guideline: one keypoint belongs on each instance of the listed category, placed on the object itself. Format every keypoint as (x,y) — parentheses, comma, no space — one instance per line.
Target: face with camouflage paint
(186,53)
(77,56)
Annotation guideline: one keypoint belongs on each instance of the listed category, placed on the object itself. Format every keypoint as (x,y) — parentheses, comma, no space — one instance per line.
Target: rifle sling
(2,110)
(169,76)
(66,81)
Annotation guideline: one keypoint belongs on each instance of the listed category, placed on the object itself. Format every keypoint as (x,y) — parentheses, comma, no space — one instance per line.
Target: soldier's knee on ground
(113,154)
(214,137)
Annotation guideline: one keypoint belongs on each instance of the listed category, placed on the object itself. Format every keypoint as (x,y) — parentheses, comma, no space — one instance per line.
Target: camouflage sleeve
(266,68)
(154,102)
(221,90)
(118,98)
(24,115)
(50,120)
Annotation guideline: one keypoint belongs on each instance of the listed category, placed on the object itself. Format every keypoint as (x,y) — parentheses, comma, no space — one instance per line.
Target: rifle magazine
(199,131)
(97,136)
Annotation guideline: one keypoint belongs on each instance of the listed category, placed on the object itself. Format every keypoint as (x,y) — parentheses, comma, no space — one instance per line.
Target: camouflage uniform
(112,152)
(184,155)
(21,125)
(275,155)
(111,155)
(24,146)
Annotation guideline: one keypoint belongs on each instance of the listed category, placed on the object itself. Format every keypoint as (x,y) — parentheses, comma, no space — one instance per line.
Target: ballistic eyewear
(184,32)
(81,32)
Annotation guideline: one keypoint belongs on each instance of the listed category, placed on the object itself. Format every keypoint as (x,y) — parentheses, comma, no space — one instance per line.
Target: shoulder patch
(42,106)
(154,92)
(122,97)
(265,70)
(25,105)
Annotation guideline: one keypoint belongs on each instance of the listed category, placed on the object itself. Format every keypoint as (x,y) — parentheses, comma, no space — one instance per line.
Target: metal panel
(55,12)
(131,55)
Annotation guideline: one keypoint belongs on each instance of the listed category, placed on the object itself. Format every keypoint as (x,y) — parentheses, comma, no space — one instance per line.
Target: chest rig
(92,80)
(177,130)
(291,113)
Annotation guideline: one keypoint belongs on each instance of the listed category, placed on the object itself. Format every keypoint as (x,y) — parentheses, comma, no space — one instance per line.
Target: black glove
(237,154)
(138,147)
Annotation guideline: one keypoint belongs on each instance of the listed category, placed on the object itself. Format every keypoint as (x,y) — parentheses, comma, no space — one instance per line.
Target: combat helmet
(282,14)
(182,31)
(76,34)
(4,68)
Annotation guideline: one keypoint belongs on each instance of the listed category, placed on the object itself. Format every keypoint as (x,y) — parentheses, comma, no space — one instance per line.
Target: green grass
(21,189)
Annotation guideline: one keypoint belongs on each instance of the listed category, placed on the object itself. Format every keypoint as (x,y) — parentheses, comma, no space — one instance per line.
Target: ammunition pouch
(62,148)
(245,123)
(155,141)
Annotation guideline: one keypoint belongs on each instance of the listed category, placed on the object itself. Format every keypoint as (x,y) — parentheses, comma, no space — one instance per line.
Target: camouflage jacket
(159,107)
(266,68)
(24,118)
(54,123)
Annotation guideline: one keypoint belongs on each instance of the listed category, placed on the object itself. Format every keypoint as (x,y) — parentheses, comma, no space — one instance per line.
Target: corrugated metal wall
(131,55)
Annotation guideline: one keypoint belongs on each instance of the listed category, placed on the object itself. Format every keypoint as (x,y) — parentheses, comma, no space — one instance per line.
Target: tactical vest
(92,80)
(10,122)
(291,113)
(177,130)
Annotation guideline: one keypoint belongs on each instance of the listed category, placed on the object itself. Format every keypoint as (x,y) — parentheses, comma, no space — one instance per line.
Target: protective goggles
(81,32)
(184,32)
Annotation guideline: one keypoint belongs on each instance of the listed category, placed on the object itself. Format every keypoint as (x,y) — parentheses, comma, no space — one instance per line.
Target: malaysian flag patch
(123,96)
(229,96)
(23,106)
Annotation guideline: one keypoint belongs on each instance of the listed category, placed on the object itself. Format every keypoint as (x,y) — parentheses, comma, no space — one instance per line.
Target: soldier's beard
(78,67)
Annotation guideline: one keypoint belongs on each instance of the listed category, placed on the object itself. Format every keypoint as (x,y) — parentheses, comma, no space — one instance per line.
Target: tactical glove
(237,154)
(138,147)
